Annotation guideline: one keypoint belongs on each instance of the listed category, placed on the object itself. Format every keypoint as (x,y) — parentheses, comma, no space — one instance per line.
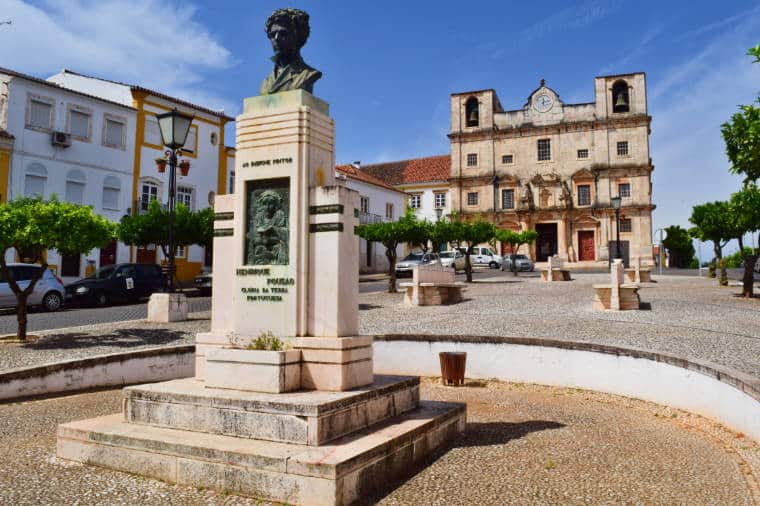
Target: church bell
(472,119)
(621,100)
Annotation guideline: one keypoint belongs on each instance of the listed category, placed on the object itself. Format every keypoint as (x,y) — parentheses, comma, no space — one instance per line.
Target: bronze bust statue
(288,30)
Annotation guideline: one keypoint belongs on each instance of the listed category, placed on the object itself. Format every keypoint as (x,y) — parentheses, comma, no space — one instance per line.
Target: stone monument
(310,424)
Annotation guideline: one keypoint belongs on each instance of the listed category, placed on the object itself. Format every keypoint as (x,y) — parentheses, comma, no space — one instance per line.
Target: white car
(48,293)
(482,255)
(453,259)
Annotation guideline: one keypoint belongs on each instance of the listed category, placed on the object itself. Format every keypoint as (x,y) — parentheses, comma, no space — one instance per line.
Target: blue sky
(390,66)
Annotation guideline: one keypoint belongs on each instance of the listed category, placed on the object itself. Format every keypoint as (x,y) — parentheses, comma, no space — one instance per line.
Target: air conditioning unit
(61,139)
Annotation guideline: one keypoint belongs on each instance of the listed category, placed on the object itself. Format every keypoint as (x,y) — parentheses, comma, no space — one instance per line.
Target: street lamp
(616,206)
(174,127)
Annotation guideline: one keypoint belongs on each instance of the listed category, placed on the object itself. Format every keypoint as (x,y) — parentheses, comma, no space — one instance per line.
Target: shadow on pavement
(493,433)
(121,338)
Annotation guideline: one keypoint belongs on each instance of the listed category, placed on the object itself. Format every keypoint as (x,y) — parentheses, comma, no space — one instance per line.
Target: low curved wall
(117,369)
(720,393)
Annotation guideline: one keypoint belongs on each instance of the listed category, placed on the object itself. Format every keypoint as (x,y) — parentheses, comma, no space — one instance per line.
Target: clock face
(543,103)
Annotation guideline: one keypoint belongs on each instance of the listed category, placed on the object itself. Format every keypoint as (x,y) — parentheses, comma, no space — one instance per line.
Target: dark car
(121,282)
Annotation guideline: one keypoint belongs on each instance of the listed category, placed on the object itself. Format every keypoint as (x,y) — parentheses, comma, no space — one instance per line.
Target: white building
(379,202)
(425,180)
(71,144)
(205,149)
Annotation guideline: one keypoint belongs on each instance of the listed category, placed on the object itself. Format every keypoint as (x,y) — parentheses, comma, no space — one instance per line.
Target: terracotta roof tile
(360,175)
(417,170)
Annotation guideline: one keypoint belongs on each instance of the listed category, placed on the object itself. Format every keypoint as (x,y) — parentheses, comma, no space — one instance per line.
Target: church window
(584,195)
(472,198)
(472,112)
(544,149)
(624,190)
(508,159)
(620,98)
(582,154)
(625,225)
(472,159)
(508,199)
(622,148)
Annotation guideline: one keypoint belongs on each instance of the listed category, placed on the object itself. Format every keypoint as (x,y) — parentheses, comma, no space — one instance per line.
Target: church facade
(556,168)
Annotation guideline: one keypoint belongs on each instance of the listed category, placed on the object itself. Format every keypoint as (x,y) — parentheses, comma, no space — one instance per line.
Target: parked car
(203,283)
(124,282)
(522,262)
(405,267)
(484,256)
(453,259)
(48,293)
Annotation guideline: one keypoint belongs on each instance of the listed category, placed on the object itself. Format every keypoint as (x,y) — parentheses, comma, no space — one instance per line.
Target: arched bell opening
(620,98)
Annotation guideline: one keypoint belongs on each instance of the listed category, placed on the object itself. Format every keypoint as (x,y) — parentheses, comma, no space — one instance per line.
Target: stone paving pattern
(524,444)
(687,316)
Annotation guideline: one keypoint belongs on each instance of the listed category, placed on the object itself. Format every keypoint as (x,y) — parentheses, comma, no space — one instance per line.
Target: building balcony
(369,218)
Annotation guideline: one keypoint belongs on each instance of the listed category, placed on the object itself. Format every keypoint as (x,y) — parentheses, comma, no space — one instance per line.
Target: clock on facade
(543,103)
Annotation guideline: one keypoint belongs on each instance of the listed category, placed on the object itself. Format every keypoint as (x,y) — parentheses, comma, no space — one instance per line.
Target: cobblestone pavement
(524,444)
(86,341)
(76,316)
(686,316)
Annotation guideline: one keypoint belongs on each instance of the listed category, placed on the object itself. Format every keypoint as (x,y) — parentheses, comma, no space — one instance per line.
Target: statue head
(287,30)
(271,201)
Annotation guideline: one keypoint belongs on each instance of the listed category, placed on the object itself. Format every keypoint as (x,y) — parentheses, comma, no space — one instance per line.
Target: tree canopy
(680,248)
(712,222)
(469,234)
(34,225)
(742,136)
(515,240)
(407,229)
(744,208)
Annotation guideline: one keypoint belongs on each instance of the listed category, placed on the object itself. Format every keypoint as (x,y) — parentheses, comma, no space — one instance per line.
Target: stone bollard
(637,270)
(616,279)
(550,271)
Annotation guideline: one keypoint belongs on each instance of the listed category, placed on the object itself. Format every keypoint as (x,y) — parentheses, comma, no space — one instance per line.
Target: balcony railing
(368,218)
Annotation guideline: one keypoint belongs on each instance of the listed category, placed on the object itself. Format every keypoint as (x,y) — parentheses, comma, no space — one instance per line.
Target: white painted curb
(727,396)
(141,366)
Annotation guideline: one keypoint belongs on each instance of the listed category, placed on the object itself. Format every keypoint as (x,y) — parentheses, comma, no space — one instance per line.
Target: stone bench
(432,285)
(557,275)
(628,295)
(645,275)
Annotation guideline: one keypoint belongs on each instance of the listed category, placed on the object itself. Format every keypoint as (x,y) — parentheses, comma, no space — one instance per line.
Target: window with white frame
(622,148)
(508,198)
(624,190)
(148,192)
(625,225)
(364,204)
(544,148)
(40,113)
(185,196)
(75,183)
(582,154)
(507,159)
(440,200)
(114,130)
(389,210)
(415,200)
(584,195)
(80,124)
(181,252)
(34,180)
(472,159)
(472,198)
(111,193)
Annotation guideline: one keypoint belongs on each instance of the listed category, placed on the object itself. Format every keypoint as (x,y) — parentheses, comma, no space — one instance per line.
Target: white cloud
(574,17)
(688,105)
(152,43)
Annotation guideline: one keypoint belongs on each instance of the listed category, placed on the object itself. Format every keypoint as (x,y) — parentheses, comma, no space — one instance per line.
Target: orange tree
(515,240)
(33,226)
(469,234)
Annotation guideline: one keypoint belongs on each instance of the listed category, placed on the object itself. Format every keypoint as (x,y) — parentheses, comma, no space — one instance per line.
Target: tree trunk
(390,254)
(514,262)
(21,295)
(21,317)
(467,265)
(723,278)
(748,280)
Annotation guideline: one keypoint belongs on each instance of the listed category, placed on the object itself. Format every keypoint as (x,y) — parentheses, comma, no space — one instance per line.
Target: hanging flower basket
(161,164)
(184,167)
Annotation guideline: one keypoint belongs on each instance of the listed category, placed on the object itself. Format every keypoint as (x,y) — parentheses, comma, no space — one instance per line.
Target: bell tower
(621,95)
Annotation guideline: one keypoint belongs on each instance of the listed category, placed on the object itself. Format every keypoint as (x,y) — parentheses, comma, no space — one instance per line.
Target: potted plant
(161,164)
(261,365)
(184,167)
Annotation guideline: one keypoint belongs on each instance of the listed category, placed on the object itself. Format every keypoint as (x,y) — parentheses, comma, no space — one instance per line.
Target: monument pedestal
(167,307)
(311,425)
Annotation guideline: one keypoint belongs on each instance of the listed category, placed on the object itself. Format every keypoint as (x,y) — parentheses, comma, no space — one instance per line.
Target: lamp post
(174,127)
(616,206)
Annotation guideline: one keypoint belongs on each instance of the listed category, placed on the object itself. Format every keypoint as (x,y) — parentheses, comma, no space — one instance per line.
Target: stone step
(305,417)
(349,468)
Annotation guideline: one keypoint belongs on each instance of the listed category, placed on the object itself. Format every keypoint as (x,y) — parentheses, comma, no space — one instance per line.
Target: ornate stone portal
(286,262)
